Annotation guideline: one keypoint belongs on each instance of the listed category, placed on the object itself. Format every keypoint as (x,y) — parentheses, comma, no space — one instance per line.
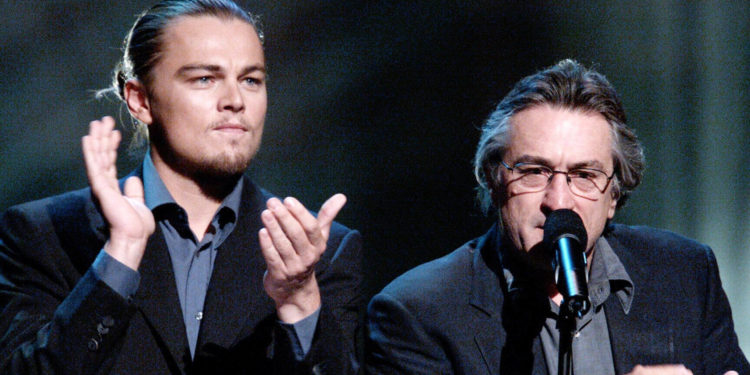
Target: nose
(231,99)
(557,195)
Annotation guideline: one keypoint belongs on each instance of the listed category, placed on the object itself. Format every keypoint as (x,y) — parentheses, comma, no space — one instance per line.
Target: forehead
(202,37)
(560,136)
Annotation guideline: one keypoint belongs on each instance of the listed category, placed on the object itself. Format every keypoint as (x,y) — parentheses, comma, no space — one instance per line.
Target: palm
(130,221)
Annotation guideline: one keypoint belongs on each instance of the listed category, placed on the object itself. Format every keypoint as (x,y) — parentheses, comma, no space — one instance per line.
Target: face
(206,100)
(561,139)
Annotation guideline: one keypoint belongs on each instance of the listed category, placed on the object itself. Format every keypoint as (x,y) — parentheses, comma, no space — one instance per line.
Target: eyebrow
(216,68)
(591,164)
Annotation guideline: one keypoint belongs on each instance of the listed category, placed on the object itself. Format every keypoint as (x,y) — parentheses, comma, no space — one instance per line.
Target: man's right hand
(130,221)
(666,370)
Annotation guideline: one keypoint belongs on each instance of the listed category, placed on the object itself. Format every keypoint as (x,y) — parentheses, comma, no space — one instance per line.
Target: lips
(231,128)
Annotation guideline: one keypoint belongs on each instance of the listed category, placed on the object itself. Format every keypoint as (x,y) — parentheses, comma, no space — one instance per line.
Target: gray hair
(567,85)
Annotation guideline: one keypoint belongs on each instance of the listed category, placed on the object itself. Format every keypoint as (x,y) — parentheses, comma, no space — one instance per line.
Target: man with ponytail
(185,265)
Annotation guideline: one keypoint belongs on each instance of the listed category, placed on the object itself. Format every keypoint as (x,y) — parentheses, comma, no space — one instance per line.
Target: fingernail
(273,203)
(290,201)
(266,215)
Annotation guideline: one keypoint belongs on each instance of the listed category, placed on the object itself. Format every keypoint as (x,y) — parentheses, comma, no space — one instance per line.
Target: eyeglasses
(584,182)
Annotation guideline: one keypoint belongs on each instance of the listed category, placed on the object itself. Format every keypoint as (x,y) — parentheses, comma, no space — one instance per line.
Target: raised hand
(292,242)
(666,370)
(661,370)
(130,221)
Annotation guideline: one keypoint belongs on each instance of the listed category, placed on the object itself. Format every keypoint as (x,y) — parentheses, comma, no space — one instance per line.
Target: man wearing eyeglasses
(558,140)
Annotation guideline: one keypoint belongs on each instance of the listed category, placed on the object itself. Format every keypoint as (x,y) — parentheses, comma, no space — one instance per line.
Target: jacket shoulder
(656,242)
(69,221)
(436,281)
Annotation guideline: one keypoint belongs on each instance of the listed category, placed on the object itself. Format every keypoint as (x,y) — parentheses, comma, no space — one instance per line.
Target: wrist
(299,304)
(126,251)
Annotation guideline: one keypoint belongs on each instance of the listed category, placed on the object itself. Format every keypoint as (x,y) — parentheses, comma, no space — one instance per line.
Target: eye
(202,80)
(253,81)
(582,173)
(533,170)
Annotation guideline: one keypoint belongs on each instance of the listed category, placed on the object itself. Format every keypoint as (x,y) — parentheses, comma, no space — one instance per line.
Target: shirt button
(108,321)
(102,329)
(199,315)
(93,345)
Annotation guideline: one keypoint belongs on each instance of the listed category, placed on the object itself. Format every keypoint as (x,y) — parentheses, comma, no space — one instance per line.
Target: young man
(186,265)
(558,141)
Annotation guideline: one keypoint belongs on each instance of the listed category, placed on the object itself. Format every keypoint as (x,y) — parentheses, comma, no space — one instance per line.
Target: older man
(558,141)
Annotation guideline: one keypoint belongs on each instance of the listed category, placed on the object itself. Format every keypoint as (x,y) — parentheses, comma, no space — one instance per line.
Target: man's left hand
(292,242)
(666,370)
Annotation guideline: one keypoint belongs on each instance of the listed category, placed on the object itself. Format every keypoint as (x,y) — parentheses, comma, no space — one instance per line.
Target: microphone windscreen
(564,222)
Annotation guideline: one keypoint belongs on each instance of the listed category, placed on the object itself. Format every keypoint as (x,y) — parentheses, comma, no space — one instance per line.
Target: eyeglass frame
(568,179)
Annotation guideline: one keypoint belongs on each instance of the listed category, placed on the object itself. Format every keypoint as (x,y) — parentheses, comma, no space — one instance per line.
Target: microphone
(565,234)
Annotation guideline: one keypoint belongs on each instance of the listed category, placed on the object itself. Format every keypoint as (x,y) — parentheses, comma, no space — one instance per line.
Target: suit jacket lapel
(644,335)
(235,293)
(487,299)
(489,296)
(157,298)
(158,301)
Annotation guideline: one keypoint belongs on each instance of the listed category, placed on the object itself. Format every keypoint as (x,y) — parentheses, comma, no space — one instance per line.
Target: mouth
(231,128)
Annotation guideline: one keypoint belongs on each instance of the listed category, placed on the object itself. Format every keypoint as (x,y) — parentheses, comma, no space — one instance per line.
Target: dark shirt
(591,350)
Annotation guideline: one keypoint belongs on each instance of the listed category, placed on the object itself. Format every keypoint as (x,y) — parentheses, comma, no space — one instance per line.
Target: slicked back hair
(143,46)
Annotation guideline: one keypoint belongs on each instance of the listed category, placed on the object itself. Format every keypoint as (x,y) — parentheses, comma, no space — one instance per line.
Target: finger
(308,222)
(90,145)
(328,212)
(274,263)
(110,139)
(91,153)
(661,369)
(278,238)
(134,189)
(291,227)
(100,152)
(111,150)
(101,142)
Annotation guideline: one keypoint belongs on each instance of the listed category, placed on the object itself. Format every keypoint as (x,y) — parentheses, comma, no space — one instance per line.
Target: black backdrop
(382,100)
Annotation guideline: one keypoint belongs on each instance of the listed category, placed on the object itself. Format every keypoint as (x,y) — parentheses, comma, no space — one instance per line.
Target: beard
(201,164)
(228,163)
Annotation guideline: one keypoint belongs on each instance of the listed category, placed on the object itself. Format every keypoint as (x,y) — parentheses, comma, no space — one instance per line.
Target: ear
(137,100)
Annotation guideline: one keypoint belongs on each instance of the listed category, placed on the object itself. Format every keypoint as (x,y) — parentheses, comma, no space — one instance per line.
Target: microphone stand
(566,323)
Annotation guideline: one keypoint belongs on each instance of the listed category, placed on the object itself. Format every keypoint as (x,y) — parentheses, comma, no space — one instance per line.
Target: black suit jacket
(448,316)
(56,317)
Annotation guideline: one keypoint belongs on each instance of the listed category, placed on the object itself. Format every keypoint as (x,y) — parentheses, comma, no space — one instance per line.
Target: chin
(224,165)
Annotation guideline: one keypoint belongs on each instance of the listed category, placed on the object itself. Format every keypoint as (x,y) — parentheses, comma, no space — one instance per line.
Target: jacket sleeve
(721,348)
(53,319)
(336,343)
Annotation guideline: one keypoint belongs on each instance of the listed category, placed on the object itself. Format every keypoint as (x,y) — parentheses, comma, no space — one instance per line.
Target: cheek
(257,106)
(595,221)
(515,214)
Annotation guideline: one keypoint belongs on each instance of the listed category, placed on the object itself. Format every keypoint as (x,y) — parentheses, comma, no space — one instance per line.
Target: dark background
(382,100)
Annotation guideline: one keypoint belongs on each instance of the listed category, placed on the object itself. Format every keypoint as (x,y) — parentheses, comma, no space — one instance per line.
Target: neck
(199,196)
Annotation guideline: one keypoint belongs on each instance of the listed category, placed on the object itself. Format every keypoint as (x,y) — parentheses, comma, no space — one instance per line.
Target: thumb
(328,212)
(134,188)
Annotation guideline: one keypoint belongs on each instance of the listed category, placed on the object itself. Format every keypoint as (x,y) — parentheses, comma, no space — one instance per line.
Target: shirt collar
(607,275)
(156,193)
